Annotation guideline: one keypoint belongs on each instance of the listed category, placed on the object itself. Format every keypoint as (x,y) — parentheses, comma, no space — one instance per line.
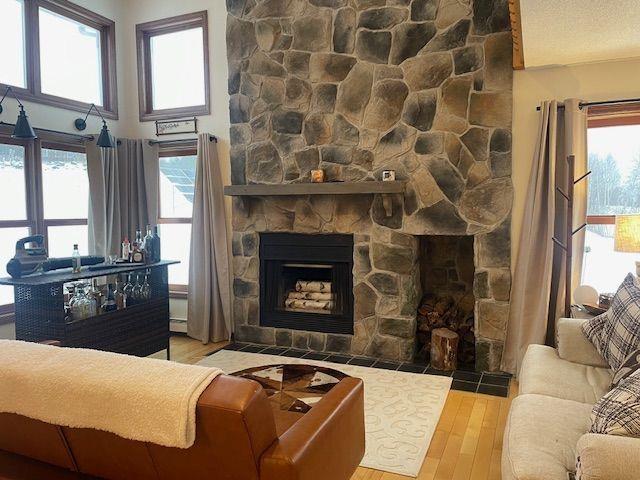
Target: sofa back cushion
(616,333)
(618,411)
(234,426)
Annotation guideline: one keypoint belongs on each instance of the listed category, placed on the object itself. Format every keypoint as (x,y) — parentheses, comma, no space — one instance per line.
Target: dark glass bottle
(156,245)
(148,246)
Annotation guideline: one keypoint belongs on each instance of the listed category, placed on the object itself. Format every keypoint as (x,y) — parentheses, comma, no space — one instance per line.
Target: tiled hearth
(496,384)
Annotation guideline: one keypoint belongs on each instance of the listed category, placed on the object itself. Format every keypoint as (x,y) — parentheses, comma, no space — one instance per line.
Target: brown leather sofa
(239,436)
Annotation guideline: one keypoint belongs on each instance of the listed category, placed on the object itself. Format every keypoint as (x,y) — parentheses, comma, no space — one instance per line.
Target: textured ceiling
(562,32)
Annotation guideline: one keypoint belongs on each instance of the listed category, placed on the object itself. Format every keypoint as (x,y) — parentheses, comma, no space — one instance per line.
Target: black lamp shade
(105,140)
(23,128)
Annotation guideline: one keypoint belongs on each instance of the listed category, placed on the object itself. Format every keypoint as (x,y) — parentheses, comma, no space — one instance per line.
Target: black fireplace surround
(286,258)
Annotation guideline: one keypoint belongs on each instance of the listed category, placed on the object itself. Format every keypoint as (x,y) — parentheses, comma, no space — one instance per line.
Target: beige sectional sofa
(549,421)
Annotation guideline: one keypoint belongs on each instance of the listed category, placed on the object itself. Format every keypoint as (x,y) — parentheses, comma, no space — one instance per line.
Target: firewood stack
(444,312)
(310,296)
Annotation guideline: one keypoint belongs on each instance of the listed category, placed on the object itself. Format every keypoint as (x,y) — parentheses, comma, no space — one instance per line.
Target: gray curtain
(209,291)
(123,186)
(537,294)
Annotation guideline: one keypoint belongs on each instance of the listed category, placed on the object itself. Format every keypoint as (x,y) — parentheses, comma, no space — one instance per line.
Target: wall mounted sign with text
(174,127)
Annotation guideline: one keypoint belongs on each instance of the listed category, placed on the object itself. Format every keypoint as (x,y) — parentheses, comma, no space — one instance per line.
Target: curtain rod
(212,138)
(606,102)
(56,132)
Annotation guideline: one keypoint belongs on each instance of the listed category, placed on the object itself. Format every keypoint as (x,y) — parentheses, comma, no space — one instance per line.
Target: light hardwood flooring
(467,444)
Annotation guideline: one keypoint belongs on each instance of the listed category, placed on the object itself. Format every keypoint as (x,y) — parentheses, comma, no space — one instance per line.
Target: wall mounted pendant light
(105,139)
(22,129)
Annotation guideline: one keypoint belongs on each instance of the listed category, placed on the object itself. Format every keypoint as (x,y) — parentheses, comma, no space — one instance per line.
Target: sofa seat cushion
(545,373)
(540,437)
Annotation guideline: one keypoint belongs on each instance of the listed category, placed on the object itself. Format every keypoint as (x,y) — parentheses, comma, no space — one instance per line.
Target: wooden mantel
(326,188)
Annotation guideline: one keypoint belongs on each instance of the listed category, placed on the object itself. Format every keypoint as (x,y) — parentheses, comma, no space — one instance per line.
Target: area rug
(401,409)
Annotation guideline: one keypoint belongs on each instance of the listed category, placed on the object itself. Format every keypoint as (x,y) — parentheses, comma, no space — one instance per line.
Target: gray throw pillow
(616,333)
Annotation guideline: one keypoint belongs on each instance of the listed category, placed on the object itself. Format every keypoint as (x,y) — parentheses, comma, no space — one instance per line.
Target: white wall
(588,82)
(127,14)
(217,123)
(54,118)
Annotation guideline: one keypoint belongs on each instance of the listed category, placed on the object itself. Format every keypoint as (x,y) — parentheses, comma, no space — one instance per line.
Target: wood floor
(467,444)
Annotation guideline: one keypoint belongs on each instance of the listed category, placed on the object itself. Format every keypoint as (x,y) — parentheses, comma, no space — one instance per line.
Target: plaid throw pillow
(630,365)
(618,411)
(616,333)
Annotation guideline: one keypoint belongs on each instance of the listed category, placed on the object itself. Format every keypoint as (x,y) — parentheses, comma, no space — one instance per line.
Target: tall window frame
(33,91)
(144,33)
(611,116)
(175,290)
(35,220)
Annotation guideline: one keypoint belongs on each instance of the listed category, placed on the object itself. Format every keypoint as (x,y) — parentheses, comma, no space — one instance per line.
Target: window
(173,67)
(14,217)
(65,200)
(613,189)
(74,52)
(44,189)
(177,180)
(12,67)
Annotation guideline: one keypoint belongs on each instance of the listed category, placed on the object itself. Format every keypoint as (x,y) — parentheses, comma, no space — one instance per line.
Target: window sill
(175,113)
(178,295)
(60,102)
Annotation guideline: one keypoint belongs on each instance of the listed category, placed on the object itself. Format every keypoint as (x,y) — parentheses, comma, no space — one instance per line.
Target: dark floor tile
(316,356)
(412,368)
(491,379)
(386,365)
(274,350)
(464,386)
(254,348)
(433,371)
(235,346)
(496,390)
(362,361)
(467,376)
(292,352)
(464,367)
(338,358)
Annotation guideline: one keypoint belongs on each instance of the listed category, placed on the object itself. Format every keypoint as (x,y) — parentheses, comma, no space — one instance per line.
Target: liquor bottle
(81,307)
(148,247)
(126,249)
(76,263)
(156,245)
(94,294)
(110,304)
(120,297)
(128,292)
(137,256)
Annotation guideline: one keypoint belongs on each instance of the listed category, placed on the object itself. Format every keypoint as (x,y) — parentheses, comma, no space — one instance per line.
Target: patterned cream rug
(401,409)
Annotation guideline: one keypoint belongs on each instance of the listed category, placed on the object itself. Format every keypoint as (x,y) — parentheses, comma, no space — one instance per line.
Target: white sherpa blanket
(136,398)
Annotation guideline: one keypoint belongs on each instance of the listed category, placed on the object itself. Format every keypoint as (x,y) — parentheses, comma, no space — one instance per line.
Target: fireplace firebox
(306,282)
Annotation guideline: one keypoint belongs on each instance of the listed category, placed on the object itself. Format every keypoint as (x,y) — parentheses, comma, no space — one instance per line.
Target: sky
(622,142)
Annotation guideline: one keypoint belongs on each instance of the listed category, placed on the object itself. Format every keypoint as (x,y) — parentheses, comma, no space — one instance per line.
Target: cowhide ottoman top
(294,388)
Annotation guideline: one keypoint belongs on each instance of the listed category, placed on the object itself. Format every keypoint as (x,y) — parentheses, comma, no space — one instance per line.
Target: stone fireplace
(355,87)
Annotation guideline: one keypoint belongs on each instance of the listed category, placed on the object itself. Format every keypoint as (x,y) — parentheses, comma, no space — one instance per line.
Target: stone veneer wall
(355,87)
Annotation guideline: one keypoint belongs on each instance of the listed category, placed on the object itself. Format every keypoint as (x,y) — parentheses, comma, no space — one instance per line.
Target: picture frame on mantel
(176,126)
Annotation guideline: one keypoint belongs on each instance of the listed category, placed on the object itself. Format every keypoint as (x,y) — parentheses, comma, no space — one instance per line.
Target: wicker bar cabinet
(140,329)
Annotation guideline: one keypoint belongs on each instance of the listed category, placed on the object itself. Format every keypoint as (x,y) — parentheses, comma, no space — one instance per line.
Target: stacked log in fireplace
(311,296)
(443,311)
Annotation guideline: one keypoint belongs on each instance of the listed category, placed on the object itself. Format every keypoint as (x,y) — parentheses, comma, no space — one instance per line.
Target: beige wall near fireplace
(589,82)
